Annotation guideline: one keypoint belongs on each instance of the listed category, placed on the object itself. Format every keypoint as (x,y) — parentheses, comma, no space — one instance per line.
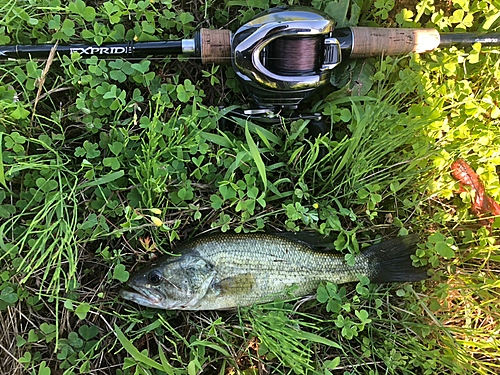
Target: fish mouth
(145,297)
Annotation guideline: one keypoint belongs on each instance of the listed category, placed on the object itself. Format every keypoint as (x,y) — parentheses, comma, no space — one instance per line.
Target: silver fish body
(228,270)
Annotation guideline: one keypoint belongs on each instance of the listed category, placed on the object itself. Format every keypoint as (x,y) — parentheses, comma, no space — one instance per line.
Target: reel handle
(214,46)
(378,41)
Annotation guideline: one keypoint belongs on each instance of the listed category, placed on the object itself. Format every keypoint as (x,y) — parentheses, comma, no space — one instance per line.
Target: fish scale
(277,263)
(228,270)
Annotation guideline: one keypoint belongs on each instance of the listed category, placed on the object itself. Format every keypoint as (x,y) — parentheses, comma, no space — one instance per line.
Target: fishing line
(294,56)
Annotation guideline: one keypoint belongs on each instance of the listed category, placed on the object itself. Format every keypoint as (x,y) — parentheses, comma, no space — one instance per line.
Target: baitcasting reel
(284,54)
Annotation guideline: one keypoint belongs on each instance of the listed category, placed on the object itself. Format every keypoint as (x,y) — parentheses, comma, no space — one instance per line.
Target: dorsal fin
(312,239)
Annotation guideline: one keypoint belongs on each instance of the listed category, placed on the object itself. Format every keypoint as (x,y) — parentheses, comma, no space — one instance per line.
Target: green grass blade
(309,336)
(254,151)
(134,352)
(221,140)
(211,345)
(166,366)
(103,180)
(2,172)
(253,128)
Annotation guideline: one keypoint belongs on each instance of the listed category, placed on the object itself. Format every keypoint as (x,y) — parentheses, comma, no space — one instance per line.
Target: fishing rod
(281,56)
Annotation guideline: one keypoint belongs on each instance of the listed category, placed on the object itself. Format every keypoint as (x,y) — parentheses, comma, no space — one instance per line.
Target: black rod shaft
(468,39)
(119,49)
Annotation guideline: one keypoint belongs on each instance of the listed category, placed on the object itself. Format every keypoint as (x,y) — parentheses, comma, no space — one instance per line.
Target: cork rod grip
(377,41)
(215,46)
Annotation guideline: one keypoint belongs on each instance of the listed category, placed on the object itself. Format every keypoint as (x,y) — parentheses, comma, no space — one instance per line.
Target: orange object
(482,204)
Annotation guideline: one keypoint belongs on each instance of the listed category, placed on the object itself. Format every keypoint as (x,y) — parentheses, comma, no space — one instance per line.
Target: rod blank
(468,39)
(213,46)
(119,49)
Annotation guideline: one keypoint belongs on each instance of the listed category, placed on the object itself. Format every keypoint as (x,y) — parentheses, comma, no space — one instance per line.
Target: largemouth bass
(224,271)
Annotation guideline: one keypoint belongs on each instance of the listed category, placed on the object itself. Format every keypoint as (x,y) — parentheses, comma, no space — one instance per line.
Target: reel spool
(284,54)
(294,56)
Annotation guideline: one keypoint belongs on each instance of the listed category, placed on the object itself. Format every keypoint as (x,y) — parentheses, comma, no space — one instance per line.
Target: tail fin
(390,261)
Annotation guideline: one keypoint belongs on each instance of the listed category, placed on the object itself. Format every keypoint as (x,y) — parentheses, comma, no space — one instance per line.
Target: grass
(119,160)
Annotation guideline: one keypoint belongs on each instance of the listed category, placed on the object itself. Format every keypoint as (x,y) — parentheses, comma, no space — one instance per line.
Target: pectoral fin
(239,284)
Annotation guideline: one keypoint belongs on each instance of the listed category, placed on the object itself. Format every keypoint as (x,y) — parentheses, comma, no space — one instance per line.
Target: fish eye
(155,277)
